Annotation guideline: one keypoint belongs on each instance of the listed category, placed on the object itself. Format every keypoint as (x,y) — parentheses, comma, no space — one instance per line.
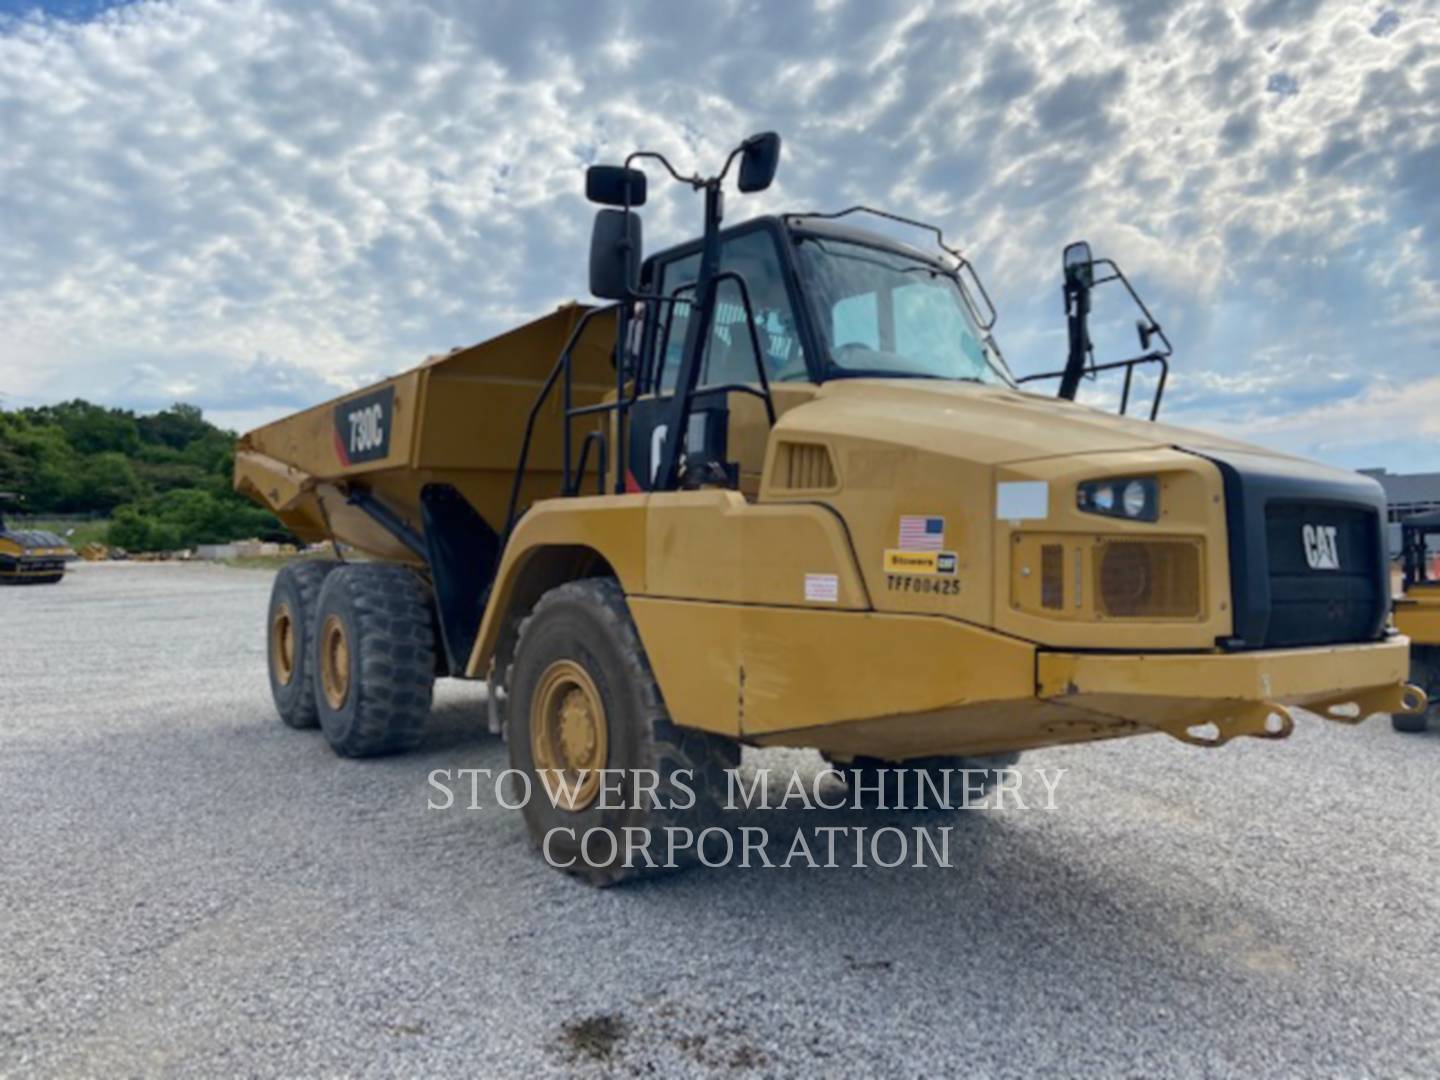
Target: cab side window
(730,351)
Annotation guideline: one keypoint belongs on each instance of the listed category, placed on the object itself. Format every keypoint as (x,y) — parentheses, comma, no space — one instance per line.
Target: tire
(373,650)
(581,640)
(288,630)
(920,782)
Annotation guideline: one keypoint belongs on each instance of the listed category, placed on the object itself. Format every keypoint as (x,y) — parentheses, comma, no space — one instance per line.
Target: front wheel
(582,699)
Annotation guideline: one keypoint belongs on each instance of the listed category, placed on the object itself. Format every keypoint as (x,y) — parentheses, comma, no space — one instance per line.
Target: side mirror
(760,157)
(606,184)
(1079,266)
(615,254)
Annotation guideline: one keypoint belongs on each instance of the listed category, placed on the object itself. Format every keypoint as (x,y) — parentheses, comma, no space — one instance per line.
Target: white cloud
(188,187)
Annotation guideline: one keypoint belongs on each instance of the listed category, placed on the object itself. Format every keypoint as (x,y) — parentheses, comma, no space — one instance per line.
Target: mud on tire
(587,624)
(373,650)
(288,632)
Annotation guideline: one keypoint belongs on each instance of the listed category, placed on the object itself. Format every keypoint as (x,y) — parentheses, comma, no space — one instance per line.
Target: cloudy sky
(252,205)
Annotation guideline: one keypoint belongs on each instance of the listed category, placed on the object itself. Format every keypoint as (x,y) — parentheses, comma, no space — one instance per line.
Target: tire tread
(392,659)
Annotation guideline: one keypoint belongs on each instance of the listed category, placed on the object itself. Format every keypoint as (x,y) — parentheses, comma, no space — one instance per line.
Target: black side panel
(1280,598)
(362,426)
(463,551)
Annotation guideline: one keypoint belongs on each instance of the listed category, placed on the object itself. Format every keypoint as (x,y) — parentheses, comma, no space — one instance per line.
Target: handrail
(764,392)
(1129,366)
(563,372)
(562,363)
(598,438)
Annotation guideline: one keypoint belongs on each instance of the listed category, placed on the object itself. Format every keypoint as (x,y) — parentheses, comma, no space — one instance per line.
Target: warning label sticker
(822,589)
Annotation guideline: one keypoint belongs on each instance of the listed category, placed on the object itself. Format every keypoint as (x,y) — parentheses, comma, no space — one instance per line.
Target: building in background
(1407,494)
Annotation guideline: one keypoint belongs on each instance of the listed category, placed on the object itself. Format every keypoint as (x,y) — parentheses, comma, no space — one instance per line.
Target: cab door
(734,423)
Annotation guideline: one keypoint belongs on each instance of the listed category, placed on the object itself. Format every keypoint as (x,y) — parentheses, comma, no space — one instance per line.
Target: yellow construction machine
(781,489)
(1417,614)
(30,556)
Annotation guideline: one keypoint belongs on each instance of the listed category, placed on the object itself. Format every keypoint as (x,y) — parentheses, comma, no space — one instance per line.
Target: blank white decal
(1023,500)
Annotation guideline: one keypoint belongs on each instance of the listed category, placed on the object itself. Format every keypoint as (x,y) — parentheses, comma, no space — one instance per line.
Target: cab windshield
(886,314)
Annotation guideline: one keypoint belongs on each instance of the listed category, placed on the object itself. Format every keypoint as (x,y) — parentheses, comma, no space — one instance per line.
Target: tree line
(163,479)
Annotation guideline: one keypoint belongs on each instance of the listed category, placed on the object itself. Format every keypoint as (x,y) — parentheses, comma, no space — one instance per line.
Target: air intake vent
(1150,579)
(1052,577)
(803,467)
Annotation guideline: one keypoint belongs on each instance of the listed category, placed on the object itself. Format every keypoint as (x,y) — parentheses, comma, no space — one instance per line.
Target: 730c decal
(362,426)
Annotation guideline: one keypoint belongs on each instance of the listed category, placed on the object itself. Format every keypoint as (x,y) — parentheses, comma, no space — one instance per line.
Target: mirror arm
(694,181)
(730,161)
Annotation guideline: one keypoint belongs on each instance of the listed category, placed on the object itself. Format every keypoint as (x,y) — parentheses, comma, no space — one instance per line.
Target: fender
(556,541)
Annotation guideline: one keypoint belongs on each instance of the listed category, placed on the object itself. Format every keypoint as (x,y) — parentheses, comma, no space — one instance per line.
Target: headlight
(1132,498)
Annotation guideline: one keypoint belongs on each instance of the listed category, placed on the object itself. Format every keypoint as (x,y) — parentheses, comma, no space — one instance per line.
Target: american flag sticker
(922,533)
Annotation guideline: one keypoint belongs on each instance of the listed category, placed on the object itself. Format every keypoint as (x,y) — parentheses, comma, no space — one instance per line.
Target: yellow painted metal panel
(1191,507)
(1287,676)
(611,525)
(752,670)
(1417,616)
(714,545)
(457,419)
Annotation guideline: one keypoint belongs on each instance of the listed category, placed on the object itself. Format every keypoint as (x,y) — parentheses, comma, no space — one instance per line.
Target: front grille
(1149,579)
(1322,566)
(1282,595)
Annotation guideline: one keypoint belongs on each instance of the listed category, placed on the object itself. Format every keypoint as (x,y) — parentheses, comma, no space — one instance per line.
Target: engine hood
(990,425)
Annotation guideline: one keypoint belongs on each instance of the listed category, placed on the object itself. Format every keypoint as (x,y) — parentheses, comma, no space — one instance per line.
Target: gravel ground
(186,886)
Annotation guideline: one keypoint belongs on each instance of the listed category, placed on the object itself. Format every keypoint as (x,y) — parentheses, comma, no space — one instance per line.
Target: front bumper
(28,566)
(1210,698)
(1419,620)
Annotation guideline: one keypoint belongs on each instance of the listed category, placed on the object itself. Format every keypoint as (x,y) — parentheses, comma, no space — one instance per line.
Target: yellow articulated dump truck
(783,490)
(31,556)
(1417,614)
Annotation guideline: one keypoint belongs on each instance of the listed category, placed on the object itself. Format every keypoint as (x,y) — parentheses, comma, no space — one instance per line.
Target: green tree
(166,477)
(92,429)
(133,531)
(106,481)
(176,427)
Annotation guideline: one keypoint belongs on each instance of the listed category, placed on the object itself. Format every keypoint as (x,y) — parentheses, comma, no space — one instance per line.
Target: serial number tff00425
(909,583)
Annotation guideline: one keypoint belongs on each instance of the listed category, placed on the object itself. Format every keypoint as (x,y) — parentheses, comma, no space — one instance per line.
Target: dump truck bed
(457,419)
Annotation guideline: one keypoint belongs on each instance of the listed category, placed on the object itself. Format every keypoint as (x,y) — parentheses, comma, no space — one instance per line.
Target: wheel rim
(569,733)
(335,662)
(282,645)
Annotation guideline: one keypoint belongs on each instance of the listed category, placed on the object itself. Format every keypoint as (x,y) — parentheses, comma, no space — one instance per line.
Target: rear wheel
(932,783)
(292,609)
(373,652)
(582,698)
